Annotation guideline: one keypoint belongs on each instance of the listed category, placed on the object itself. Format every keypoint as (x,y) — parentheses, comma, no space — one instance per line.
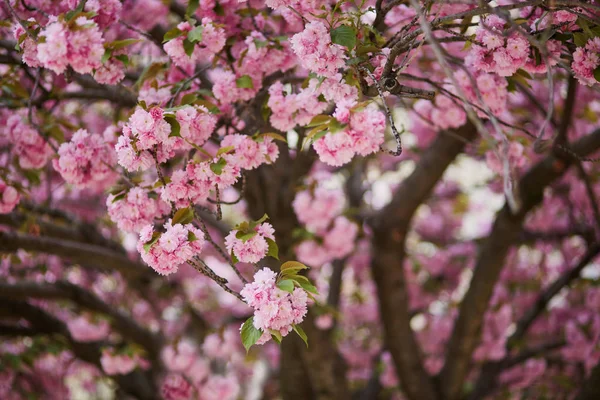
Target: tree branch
(504,234)
(390,227)
(136,383)
(85,254)
(66,290)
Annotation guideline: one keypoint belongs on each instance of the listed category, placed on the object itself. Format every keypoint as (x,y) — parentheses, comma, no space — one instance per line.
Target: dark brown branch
(590,389)
(84,254)
(73,231)
(136,383)
(544,298)
(66,290)
(390,227)
(503,236)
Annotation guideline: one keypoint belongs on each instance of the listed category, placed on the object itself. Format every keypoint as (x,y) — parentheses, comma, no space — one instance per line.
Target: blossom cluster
(78,44)
(491,88)
(190,376)
(275,310)
(86,161)
(316,209)
(315,50)
(293,109)
(206,41)
(114,363)
(196,123)
(337,242)
(253,246)
(195,182)
(331,235)
(29,145)
(9,197)
(135,209)
(165,252)
(500,54)
(586,60)
(144,131)
(363,134)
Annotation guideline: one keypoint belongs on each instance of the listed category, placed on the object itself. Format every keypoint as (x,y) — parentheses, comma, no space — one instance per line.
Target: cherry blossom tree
(247,199)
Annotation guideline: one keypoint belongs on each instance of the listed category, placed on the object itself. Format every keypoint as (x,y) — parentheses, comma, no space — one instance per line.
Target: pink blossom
(585,61)
(180,357)
(211,42)
(250,153)
(339,241)
(253,249)
(220,388)
(177,245)
(107,11)
(318,208)
(176,387)
(197,124)
(85,161)
(274,309)
(117,364)
(316,52)
(28,144)
(110,73)
(83,330)
(135,210)
(9,197)
(499,54)
(80,46)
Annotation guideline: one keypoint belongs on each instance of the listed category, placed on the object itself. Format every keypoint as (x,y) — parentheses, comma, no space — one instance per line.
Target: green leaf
(106,55)
(597,74)
(275,136)
(192,237)
(273,248)
(286,285)
(319,120)
(175,127)
(234,259)
(344,35)
(249,333)
(172,34)
(225,150)
(120,44)
(188,46)
(276,335)
(183,216)
(119,197)
(192,7)
(217,167)
(292,275)
(150,243)
(292,264)
(244,237)
(244,82)
(195,35)
(580,39)
(308,287)
(123,58)
(298,329)
(259,221)
(188,99)
(524,73)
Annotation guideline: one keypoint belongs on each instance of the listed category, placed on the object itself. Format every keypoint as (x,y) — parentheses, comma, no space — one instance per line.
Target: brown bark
(390,227)
(504,234)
